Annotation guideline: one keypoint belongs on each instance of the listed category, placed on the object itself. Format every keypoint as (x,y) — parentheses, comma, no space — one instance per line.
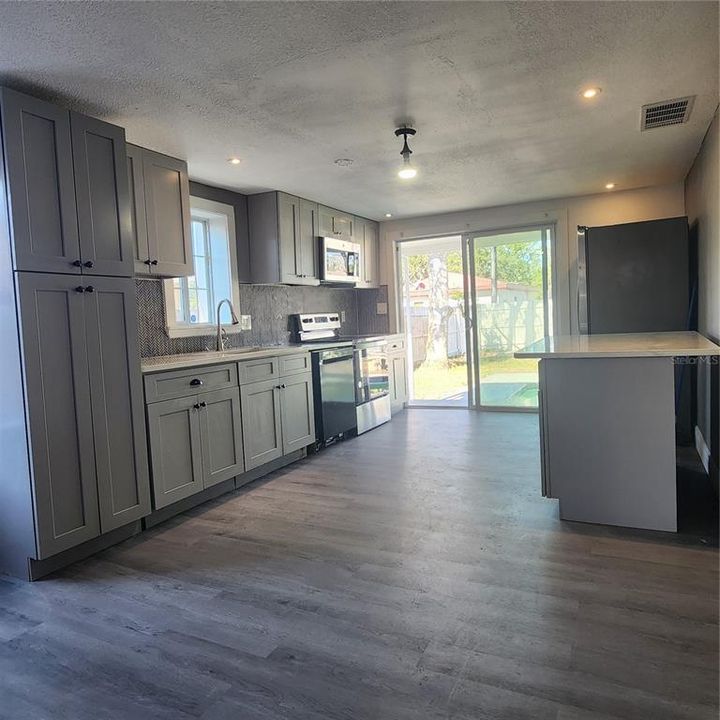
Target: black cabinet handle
(89,264)
(196,381)
(79,288)
(153,262)
(89,288)
(196,406)
(283,386)
(147,262)
(77,263)
(203,404)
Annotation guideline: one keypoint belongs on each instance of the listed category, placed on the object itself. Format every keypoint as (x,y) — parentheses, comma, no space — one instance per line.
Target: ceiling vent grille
(667,112)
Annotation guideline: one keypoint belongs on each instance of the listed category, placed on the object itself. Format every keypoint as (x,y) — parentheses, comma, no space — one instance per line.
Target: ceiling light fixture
(388,214)
(344,162)
(234,160)
(407,172)
(609,186)
(591,92)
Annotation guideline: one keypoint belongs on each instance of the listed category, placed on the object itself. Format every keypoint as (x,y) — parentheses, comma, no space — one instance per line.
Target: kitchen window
(190,302)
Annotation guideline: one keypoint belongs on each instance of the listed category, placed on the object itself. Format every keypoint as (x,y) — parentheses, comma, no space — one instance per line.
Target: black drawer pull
(79,288)
(196,381)
(89,264)
(196,406)
(153,262)
(148,262)
(89,288)
(203,404)
(77,263)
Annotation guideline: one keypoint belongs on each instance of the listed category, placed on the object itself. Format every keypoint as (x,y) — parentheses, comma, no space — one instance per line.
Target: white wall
(702,199)
(567,213)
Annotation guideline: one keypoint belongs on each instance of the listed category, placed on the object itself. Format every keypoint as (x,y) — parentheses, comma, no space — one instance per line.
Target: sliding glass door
(508,305)
(468,303)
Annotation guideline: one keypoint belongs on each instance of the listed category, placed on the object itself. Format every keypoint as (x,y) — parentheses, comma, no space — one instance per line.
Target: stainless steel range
(366,385)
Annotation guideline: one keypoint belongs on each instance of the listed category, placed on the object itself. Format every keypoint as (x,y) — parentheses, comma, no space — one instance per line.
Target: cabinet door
(298,415)
(288,209)
(398,387)
(308,242)
(136,187)
(167,209)
(221,435)
(261,425)
(38,157)
(371,253)
(175,449)
(334,223)
(60,415)
(117,402)
(103,201)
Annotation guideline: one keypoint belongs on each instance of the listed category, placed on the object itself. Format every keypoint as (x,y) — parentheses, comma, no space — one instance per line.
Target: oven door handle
(340,358)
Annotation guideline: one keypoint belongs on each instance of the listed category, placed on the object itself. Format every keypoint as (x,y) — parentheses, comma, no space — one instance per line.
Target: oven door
(341,261)
(372,373)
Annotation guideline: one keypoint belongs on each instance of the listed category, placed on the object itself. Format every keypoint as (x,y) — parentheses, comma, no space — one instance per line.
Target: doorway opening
(468,303)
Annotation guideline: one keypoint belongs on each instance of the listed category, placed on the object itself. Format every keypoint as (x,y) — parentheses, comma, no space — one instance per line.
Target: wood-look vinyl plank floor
(412,573)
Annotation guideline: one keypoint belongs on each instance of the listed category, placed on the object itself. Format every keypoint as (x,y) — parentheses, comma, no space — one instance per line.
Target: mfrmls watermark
(697,360)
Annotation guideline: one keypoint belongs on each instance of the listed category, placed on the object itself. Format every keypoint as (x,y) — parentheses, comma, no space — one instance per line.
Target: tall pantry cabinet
(74,456)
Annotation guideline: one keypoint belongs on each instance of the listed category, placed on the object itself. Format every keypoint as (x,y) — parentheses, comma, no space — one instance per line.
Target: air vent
(667,112)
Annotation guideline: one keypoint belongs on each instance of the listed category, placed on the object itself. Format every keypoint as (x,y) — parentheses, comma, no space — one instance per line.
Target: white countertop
(667,344)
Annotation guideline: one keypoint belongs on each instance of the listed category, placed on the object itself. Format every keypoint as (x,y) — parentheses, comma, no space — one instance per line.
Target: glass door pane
(509,279)
(433,306)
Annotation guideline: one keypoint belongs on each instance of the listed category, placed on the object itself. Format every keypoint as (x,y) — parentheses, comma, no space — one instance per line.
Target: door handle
(79,288)
(196,381)
(89,264)
(77,263)
(203,404)
(89,288)
(153,262)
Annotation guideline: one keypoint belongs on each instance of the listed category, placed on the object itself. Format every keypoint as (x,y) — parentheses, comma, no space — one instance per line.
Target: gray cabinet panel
(221,435)
(59,409)
(117,405)
(190,382)
(103,203)
(298,415)
(294,364)
(138,221)
(175,450)
(334,223)
(261,423)
(367,235)
(307,242)
(39,168)
(398,381)
(288,208)
(250,371)
(167,209)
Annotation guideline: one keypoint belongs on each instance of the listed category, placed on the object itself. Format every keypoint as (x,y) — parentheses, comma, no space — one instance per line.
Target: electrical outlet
(342,316)
(246,322)
(381,309)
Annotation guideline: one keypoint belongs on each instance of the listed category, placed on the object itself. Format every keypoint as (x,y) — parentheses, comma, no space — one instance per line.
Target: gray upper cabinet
(283,239)
(298,415)
(261,422)
(160,202)
(41,187)
(367,235)
(175,449)
(87,431)
(103,199)
(117,405)
(334,223)
(221,435)
(138,219)
(59,411)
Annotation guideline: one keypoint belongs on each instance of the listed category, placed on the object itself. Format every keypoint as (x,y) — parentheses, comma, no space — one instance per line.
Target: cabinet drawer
(396,344)
(294,364)
(182,383)
(254,370)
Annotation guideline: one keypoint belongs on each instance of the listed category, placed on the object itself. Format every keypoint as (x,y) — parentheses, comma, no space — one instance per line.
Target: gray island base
(607,425)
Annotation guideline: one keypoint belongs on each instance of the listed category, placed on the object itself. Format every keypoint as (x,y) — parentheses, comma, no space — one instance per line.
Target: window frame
(208,211)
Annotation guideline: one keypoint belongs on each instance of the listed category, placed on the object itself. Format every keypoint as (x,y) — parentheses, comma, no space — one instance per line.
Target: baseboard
(702,449)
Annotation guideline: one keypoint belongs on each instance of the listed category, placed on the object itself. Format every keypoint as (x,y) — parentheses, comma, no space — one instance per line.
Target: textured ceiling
(289,87)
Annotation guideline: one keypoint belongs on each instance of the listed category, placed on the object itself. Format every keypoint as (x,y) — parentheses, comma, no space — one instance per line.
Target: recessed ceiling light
(344,162)
(388,214)
(609,186)
(234,160)
(591,92)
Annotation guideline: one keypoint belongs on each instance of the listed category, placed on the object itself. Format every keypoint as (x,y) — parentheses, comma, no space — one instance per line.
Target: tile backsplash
(269,306)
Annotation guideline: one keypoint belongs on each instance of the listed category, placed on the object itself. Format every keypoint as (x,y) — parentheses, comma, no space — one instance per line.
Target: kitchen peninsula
(607,423)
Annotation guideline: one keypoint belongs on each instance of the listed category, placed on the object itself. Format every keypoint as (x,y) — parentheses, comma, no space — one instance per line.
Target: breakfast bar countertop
(659,344)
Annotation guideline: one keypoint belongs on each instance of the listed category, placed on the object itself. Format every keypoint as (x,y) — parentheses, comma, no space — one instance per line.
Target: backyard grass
(434,381)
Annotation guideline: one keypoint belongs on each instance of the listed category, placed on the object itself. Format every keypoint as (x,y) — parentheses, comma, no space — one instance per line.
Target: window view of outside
(506,286)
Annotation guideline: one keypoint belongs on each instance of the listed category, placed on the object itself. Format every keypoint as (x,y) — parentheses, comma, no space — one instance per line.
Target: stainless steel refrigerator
(634,277)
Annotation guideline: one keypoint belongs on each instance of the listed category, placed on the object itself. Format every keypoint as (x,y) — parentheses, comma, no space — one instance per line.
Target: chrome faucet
(220,344)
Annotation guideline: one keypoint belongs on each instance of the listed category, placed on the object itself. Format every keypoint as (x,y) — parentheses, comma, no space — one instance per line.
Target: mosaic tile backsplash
(270,307)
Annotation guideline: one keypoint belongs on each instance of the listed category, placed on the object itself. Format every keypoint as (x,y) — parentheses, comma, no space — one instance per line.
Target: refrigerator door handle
(582,299)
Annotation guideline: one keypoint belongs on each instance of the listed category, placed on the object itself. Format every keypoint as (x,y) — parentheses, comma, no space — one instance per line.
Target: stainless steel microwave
(340,260)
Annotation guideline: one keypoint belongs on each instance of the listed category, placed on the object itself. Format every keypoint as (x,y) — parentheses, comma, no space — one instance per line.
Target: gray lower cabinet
(398,374)
(68,190)
(82,377)
(160,203)
(195,442)
(297,412)
(261,422)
